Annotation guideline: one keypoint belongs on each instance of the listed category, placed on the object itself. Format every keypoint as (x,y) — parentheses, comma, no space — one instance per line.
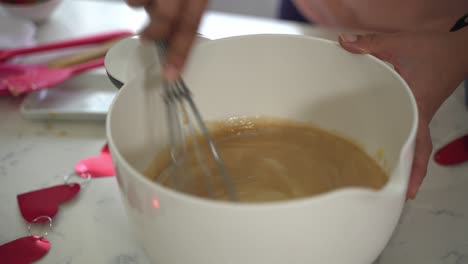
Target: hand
(176,21)
(432,63)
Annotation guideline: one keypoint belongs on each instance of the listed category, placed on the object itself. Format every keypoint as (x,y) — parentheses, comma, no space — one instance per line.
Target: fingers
(182,38)
(382,46)
(177,21)
(163,16)
(421,159)
(365,44)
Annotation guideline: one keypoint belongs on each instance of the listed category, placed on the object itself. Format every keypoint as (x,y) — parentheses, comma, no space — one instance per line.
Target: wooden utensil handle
(93,53)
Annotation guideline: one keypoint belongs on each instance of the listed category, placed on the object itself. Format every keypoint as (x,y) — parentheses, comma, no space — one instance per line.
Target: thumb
(362,44)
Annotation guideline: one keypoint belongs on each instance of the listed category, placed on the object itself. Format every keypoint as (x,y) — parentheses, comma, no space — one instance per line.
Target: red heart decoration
(45,202)
(453,153)
(96,166)
(4,89)
(24,250)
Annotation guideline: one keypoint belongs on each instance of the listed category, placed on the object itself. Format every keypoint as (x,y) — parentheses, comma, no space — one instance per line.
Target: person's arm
(432,63)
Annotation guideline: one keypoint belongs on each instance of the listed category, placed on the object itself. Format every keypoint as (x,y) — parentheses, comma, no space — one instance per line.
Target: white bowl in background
(37,12)
(297,77)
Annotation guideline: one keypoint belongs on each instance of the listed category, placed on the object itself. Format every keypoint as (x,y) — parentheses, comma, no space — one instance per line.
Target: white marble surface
(93,227)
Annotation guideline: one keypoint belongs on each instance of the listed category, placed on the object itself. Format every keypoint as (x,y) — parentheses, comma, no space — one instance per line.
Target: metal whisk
(179,102)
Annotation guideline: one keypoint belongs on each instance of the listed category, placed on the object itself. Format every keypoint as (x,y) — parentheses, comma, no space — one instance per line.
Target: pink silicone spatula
(92,39)
(8,70)
(43,78)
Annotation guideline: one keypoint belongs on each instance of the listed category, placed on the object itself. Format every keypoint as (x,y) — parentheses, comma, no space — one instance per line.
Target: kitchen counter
(93,228)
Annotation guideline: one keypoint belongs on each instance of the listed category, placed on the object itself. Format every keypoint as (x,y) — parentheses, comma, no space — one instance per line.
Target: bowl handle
(142,61)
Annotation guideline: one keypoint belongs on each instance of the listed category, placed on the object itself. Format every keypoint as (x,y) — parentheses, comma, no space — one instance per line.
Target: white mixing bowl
(295,77)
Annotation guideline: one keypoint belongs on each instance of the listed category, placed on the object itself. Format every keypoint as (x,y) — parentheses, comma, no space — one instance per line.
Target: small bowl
(36,12)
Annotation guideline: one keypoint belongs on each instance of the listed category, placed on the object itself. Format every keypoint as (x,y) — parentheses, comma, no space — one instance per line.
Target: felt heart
(96,166)
(453,153)
(45,202)
(24,250)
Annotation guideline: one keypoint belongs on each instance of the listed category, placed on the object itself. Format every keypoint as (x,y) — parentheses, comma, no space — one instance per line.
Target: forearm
(455,59)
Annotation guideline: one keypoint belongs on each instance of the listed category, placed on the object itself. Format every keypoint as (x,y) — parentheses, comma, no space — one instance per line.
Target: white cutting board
(84,97)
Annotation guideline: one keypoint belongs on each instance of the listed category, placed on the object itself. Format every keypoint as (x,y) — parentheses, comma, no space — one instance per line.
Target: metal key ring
(83,184)
(39,236)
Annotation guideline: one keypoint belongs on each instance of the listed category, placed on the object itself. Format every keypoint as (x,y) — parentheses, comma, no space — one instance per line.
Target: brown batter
(273,159)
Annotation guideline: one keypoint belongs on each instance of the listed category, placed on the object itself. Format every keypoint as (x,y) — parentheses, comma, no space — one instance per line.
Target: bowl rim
(114,55)
(289,203)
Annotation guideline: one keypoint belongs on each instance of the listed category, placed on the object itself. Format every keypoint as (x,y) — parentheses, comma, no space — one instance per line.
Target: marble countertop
(93,227)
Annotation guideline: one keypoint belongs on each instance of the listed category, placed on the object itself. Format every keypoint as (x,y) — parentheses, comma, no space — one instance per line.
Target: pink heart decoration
(96,166)
(45,202)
